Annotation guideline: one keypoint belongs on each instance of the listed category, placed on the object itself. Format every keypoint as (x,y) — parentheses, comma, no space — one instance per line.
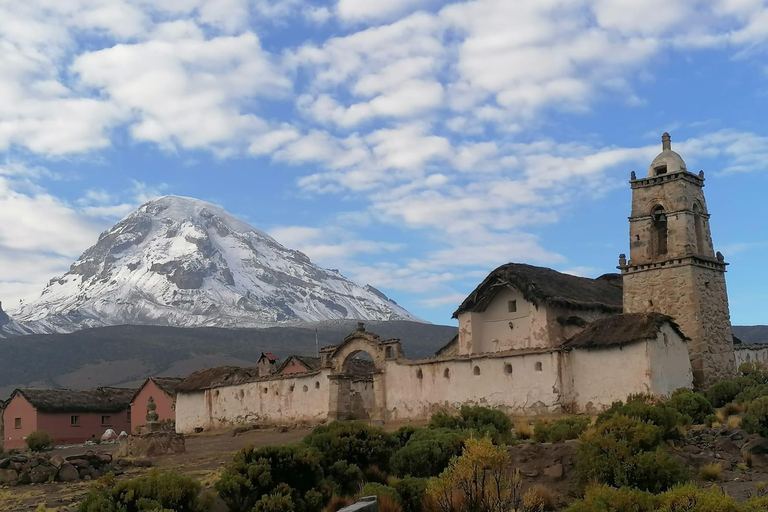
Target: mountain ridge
(183,262)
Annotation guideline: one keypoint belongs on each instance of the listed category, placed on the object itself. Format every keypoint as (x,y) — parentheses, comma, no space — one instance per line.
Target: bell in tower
(672,266)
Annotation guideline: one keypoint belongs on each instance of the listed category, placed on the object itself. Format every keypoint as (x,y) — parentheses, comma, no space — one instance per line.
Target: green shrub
(291,470)
(276,502)
(374,489)
(347,477)
(403,434)
(751,393)
(559,430)
(755,371)
(694,405)
(39,440)
(411,492)
(624,451)
(710,420)
(169,490)
(661,415)
(354,442)
(755,420)
(428,452)
(724,391)
(487,422)
(602,498)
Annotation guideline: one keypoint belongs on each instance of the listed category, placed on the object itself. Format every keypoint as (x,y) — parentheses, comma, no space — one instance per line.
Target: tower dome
(667,161)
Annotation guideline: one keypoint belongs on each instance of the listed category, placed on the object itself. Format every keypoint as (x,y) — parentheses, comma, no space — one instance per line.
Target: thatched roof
(77,400)
(168,385)
(310,363)
(215,377)
(621,330)
(541,285)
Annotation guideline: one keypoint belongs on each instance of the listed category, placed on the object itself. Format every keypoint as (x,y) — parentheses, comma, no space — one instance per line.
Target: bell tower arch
(673,268)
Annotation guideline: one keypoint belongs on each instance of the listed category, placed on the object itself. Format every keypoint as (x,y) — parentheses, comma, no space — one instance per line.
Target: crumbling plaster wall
(757,353)
(670,363)
(276,400)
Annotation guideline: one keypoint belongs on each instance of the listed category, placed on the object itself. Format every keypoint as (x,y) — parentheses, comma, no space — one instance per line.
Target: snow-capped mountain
(183,262)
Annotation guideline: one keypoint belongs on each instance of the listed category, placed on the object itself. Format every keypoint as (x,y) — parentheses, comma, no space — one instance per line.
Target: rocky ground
(743,457)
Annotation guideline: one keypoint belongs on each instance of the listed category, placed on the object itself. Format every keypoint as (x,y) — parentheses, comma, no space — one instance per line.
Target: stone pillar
(378,414)
(339,389)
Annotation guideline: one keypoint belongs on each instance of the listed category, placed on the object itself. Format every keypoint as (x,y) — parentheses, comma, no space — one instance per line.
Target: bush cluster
(755,420)
(156,491)
(559,430)
(662,415)
(428,452)
(687,497)
(692,405)
(627,451)
(353,442)
(39,440)
(486,422)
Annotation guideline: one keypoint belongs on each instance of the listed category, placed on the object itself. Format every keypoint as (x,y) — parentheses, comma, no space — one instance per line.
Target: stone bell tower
(672,267)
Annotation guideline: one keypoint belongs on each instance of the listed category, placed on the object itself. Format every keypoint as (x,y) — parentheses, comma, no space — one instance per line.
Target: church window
(662,169)
(512,306)
(659,227)
(306,389)
(317,385)
(476,370)
(538,366)
(508,368)
(390,353)
(447,373)
(419,374)
(265,391)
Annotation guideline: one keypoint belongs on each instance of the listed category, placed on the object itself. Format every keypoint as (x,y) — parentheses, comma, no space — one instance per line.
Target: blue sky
(414,145)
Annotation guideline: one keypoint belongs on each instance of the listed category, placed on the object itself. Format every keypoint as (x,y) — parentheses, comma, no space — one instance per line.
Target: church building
(531,340)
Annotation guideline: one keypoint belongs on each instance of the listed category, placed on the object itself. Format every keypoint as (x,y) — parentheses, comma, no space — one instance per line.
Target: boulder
(8,477)
(41,474)
(68,473)
(57,460)
(757,446)
(555,471)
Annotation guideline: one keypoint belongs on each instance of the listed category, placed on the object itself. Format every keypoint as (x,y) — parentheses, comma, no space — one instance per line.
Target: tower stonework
(672,266)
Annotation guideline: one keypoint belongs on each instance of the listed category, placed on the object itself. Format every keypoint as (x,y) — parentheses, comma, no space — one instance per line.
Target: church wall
(670,363)
(362,398)
(489,331)
(274,400)
(603,376)
(558,333)
(525,390)
(697,299)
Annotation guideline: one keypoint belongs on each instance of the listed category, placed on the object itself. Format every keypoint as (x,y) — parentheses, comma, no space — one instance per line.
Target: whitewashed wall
(524,391)
(670,363)
(745,353)
(279,400)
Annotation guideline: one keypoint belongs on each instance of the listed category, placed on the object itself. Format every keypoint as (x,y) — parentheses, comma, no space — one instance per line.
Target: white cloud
(366,10)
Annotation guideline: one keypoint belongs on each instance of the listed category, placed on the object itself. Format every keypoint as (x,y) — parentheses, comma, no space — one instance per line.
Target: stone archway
(340,359)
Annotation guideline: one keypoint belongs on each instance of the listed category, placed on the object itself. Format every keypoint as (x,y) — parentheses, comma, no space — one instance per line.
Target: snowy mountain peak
(184,262)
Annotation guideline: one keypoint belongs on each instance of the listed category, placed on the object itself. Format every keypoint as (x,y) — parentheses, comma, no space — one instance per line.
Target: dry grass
(711,472)
(524,429)
(734,421)
(387,504)
(12,501)
(741,466)
(747,459)
(337,503)
(731,409)
(546,497)
(374,474)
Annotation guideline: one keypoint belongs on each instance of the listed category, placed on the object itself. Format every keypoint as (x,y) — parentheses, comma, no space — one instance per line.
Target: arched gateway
(340,359)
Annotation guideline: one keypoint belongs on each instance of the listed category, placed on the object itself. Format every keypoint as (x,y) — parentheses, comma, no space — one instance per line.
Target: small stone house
(163,391)
(71,416)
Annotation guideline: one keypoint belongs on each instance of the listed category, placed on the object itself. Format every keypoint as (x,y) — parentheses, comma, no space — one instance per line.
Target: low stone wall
(40,469)
(149,445)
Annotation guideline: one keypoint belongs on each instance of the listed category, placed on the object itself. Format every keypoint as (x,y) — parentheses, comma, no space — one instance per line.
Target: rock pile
(149,445)
(40,469)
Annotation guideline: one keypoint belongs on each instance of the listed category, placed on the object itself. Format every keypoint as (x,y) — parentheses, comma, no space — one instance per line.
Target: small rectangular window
(17,423)
(74,421)
(106,420)
(128,416)
(512,306)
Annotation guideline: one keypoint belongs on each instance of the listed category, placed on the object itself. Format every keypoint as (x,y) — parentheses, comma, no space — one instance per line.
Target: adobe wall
(165,405)
(275,400)
(411,395)
(18,407)
(490,329)
(669,363)
(90,426)
(751,353)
